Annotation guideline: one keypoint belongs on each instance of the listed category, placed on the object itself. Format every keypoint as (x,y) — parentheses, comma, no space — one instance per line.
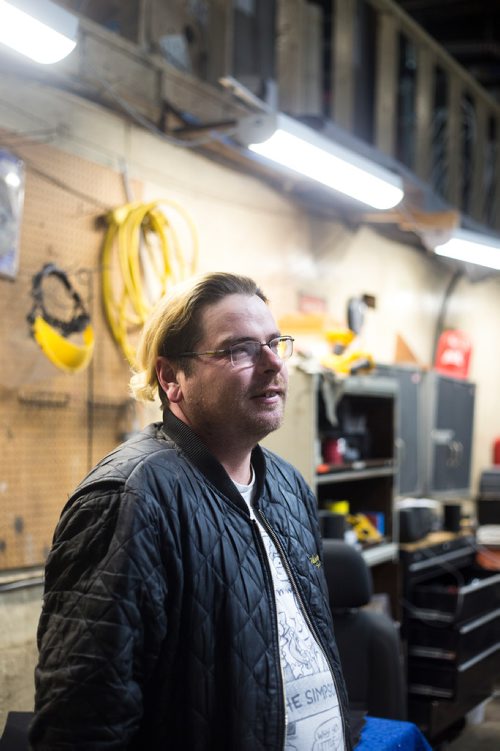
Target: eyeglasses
(247,353)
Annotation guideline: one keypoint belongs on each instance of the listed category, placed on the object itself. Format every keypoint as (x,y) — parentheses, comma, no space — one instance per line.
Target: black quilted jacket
(158,628)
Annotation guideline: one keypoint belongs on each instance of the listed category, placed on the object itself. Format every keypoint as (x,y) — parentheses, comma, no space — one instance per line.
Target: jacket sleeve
(102,625)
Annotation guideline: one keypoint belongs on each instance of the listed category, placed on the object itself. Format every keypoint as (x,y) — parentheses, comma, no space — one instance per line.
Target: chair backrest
(368,642)
(15,733)
(353,588)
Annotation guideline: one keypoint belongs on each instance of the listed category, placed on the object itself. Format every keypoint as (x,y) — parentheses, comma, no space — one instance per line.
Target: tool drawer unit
(452,632)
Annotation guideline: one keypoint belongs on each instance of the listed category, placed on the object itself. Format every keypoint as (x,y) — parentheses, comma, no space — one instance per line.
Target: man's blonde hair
(174,326)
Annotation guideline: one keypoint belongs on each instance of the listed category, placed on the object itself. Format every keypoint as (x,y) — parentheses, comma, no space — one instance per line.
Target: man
(185,604)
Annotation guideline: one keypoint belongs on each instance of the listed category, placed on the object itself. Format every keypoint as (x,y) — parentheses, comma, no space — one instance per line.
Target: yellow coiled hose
(142,256)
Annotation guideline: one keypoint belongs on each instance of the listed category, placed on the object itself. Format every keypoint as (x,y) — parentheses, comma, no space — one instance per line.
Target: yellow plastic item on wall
(52,331)
(63,353)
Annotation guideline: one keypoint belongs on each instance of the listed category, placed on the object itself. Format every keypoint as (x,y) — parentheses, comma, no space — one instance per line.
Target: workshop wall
(55,425)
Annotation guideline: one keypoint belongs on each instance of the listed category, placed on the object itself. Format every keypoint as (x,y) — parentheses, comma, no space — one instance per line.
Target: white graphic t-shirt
(313,721)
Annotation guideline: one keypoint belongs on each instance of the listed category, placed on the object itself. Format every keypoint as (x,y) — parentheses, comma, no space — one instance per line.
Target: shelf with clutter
(339,427)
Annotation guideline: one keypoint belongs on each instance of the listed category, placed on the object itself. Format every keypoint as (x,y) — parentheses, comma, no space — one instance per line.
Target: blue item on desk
(391,735)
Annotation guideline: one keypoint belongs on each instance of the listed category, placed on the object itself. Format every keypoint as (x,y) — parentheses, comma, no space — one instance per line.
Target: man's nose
(270,359)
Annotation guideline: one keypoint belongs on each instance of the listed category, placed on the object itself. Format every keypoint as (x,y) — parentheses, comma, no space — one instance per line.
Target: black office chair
(368,641)
(15,733)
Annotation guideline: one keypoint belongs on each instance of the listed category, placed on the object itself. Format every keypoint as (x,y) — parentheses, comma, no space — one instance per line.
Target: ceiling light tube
(303,150)
(472,247)
(39,29)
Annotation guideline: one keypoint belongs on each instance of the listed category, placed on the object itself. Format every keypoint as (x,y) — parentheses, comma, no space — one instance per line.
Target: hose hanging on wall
(142,256)
(52,332)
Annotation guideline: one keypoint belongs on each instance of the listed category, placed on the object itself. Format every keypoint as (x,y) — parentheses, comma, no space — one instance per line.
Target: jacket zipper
(307,617)
(270,578)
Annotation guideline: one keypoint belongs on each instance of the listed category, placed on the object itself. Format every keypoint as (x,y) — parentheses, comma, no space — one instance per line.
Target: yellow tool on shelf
(314,327)
(341,359)
(363,527)
(348,363)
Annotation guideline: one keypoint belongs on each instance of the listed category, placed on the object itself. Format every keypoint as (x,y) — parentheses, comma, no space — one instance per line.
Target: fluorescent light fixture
(305,151)
(472,247)
(39,29)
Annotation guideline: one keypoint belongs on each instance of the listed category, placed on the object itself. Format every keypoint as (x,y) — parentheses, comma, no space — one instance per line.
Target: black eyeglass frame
(229,350)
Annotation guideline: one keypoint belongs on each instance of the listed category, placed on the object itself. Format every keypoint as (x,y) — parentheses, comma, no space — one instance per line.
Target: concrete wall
(19,613)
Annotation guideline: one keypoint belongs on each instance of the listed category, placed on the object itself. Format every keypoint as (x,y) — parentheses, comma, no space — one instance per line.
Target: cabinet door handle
(451,460)
(456,451)
(400,451)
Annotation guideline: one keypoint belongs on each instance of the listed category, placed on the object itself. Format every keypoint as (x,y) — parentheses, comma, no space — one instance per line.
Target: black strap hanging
(80,317)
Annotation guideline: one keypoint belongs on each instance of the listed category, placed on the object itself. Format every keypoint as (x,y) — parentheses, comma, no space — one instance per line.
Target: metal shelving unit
(361,410)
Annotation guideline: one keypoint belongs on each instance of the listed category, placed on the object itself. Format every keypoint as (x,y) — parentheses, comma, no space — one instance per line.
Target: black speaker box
(489,484)
(414,523)
(488,511)
(452,514)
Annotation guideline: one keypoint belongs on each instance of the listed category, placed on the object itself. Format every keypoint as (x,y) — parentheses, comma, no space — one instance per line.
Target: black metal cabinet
(409,380)
(448,418)
(451,629)
(359,412)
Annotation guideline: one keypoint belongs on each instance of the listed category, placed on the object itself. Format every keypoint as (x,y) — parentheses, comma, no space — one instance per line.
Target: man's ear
(167,378)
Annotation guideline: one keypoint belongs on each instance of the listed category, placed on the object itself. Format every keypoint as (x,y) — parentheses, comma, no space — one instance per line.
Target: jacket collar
(199,455)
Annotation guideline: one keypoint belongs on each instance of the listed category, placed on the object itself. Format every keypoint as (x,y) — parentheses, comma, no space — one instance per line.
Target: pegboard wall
(55,426)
